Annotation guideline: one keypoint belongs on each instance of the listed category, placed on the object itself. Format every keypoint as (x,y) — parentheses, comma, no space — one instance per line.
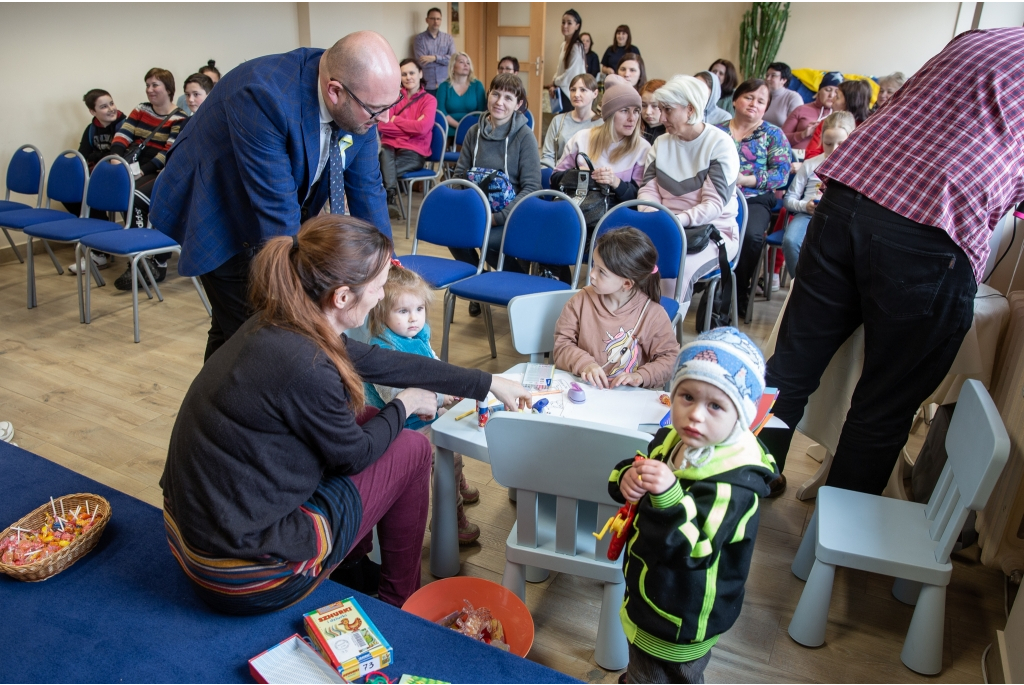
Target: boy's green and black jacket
(689,554)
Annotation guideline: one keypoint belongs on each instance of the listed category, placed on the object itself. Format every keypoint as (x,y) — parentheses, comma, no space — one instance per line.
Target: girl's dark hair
(588,36)
(410,60)
(575,40)
(643,70)
(629,36)
(92,96)
(749,86)
(731,78)
(291,282)
(201,80)
(210,68)
(165,77)
(858,99)
(510,83)
(629,253)
(783,70)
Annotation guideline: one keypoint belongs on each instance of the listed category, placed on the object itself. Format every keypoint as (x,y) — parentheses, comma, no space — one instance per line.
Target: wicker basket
(79,547)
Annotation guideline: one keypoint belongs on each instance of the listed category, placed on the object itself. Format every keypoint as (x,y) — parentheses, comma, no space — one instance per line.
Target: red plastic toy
(621,524)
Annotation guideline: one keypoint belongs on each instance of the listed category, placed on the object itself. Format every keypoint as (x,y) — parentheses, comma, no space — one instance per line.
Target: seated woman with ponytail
(275,471)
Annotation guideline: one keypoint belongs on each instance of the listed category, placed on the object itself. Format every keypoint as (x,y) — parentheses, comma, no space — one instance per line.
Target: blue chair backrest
(465,124)
(663,231)
(25,172)
(453,215)
(547,232)
(545,177)
(111,186)
(529,119)
(438,141)
(439,118)
(67,177)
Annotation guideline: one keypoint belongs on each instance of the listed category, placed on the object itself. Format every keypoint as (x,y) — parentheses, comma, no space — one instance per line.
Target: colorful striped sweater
(139,124)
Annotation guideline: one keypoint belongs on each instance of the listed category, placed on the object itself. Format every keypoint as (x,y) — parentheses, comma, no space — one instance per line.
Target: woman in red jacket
(405,137)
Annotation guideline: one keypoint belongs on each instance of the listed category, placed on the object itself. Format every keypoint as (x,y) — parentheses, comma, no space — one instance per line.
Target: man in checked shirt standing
(898,243)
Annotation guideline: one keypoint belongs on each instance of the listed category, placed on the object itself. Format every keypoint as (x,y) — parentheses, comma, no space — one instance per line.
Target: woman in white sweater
(693,171)
(582,93)
(572,60)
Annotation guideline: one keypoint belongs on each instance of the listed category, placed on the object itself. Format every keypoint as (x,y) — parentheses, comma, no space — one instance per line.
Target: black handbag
(697,238)
(591,197)
(131,155)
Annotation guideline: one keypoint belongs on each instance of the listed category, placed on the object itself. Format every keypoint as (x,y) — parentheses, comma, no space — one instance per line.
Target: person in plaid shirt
(899,243)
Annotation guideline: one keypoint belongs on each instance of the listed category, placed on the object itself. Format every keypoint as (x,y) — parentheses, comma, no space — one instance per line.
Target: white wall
(399,22)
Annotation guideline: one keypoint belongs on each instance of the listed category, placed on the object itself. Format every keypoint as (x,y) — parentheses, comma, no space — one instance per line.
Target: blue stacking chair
(25,175)
(426,176)
(535,231)
(451,158)
(111,188)
(440,118)
(529,119)
(713,278)
(545,177)
(666,232)
(69,176)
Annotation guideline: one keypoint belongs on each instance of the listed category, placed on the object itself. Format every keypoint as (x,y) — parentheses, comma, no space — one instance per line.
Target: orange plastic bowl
(440,598)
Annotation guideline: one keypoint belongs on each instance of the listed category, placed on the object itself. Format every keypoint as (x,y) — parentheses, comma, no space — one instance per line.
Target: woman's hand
(595,375)
(809,131)
(422,403)
(451,121)
(631,487)
(746,181)
(605,176)
(633,379)
(552,91)
(655,476)
(513,395)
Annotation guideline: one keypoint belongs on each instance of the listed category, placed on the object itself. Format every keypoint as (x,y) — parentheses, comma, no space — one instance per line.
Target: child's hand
(655,476)
(630,485)
(811,206)
(633,379)
(595,375)
(450,401)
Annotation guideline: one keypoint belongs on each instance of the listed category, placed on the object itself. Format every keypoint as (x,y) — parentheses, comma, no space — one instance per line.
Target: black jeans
(471,256)
(395,162)
(227,286)
(913,289)
(759,215)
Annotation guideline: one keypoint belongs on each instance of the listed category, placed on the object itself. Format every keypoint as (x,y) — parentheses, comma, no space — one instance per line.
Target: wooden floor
(87,397)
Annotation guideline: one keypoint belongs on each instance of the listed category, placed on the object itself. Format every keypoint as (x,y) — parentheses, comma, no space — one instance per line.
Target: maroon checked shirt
(948,149)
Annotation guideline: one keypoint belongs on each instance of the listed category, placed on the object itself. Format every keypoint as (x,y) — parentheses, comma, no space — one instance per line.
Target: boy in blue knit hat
(687,560)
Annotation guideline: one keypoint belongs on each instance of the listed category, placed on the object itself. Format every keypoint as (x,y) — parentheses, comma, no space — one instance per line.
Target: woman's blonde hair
(682,90)
(602,139)
(451,66)
(896,79)
(843,120)
(400,281)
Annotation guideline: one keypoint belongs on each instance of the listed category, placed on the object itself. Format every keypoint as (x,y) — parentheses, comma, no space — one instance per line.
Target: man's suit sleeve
(257,128)
(364,188)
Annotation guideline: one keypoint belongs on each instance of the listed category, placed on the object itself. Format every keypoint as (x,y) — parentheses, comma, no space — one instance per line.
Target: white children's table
(624,407)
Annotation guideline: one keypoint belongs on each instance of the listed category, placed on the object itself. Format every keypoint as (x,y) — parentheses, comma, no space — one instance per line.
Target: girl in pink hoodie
(405,137)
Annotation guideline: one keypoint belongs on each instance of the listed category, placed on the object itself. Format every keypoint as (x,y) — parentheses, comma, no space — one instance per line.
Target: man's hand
(427,59)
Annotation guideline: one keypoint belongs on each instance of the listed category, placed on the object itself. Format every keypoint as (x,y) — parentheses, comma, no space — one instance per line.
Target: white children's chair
(560,469)
(533,318)
(907,540)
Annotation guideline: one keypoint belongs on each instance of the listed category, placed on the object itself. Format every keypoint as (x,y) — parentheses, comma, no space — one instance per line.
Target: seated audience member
(462,93)
(800,125)
(571,62)
(805,190)
(631,68)
(143,141)
(405,137)
(615,331)
(510,65)
(853,97)
(692,171)
(95,145)
(887,87)
(208,70)
(650,114)
(713,114)
(197,87)
(500,141)
(784,100)
(727,80)
(622,45)
(582,92)
(276,470)
(593,61)
(764,167)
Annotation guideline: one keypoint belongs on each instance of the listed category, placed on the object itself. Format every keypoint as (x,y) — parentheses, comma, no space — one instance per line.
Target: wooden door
(517,29)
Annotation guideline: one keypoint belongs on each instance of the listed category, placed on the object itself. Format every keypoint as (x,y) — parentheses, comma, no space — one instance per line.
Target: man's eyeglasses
(370,112)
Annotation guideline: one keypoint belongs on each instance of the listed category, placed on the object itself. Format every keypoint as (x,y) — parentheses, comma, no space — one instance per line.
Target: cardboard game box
(348,639)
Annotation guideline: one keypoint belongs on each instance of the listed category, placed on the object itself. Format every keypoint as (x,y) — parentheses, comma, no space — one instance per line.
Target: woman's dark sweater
(264,419)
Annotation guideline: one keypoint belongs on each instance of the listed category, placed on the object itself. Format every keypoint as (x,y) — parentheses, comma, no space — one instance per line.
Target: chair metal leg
(490,329)
(808,624)
(84,304)
(922,650)
(53,258)
(30,273)
(611,651)
(14,247)
(152,280)
(202,296)
(907,591)
(449,312)
(753,283)
(95,271)
(735,313)
(712,286)
(408,213)
(135,292)
(804,559)
(514,579)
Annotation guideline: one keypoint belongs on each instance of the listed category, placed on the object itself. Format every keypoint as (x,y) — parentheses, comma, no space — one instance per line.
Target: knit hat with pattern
(617,95)
(831,78)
